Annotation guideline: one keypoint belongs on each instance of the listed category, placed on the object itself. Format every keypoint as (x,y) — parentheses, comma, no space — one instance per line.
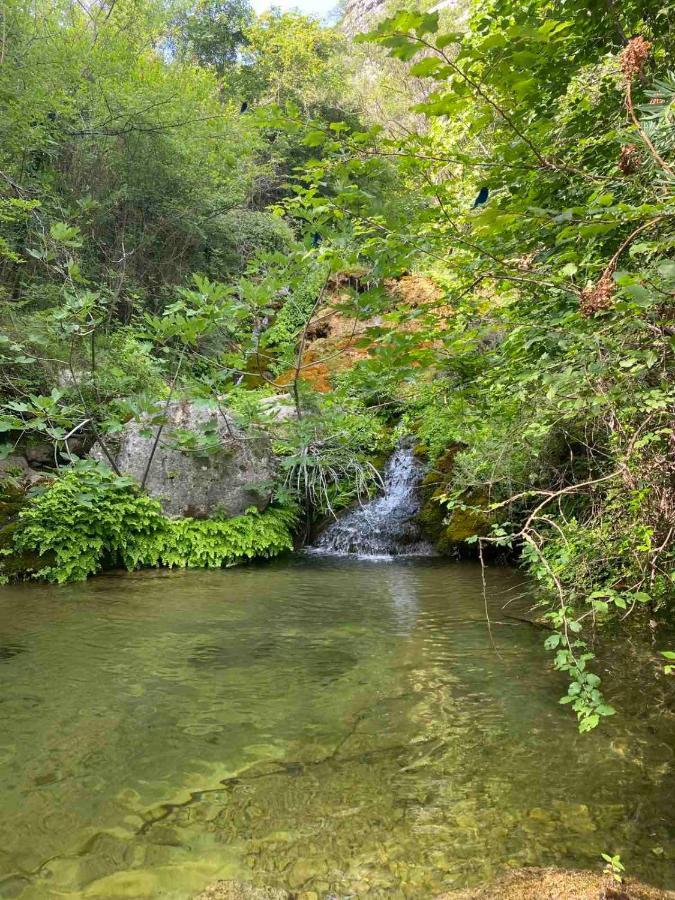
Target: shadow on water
(330,725)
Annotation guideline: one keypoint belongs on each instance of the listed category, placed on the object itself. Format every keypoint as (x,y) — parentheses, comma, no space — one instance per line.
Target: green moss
(449,530)
(445,464)
(464,522)
(14,564)
(12,499)
(421,451)
(18,564)
(431,517)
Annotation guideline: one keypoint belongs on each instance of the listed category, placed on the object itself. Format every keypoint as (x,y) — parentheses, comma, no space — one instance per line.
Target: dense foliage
(90,517)
(190,199)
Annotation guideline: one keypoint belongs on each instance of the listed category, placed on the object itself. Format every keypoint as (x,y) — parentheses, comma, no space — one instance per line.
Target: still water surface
(337,726)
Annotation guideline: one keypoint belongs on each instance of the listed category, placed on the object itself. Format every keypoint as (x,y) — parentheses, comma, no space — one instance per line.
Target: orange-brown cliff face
(335,341)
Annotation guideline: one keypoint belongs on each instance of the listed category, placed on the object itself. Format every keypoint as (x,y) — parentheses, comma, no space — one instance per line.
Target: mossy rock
(431,518)
(446,463)
(435,484)
(12,499)
(449,531)
(18,564)
(465,522)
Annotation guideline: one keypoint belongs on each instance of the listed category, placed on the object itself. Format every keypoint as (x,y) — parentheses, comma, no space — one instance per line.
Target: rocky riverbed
(520,884)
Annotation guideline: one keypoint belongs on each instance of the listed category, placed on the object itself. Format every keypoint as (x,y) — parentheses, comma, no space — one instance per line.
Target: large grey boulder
(203,464)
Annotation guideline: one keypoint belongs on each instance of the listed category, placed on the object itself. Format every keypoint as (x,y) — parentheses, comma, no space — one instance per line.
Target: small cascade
(386,526)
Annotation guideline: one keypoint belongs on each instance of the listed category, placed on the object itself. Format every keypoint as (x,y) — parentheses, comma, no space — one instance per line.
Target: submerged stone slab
(203,464)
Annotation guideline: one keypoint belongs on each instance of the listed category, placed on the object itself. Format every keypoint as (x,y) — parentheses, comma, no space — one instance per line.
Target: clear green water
(342,727)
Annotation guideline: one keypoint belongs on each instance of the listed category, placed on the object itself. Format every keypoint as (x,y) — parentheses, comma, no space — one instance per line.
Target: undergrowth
(90,518)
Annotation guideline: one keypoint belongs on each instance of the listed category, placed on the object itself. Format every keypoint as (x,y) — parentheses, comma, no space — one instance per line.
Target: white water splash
(386,526)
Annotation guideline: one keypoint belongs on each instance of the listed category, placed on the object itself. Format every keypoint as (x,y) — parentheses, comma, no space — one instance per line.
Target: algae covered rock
(13,494)
(18,564)
(449,529)
(203,464)
(469,518)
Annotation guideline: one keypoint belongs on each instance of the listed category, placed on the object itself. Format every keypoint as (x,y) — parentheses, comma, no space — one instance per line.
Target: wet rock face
(203,465)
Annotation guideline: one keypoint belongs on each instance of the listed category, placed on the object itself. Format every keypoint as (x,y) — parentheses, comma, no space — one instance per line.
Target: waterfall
(386,526)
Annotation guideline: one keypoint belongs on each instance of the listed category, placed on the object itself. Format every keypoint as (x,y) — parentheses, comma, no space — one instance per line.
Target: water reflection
(403,589)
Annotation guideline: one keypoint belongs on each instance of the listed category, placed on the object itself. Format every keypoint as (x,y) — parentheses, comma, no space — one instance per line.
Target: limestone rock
(278,408)
(362,15)
(203,465)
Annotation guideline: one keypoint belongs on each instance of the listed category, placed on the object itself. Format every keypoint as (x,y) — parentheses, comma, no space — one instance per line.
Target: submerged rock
(559,884)
(240,890)
(203,464)
(520,884)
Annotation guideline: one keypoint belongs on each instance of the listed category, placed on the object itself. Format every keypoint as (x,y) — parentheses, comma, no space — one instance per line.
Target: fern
(90,518)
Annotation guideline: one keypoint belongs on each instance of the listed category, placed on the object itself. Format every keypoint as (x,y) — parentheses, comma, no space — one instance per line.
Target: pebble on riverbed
(559,884)
(521,884)
(240,890)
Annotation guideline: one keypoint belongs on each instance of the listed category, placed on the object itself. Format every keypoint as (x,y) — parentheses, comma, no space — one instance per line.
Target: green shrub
(242,234)
(331,456)
(89,518)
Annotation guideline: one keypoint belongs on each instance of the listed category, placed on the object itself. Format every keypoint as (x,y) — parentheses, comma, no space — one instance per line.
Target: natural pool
(336,726)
